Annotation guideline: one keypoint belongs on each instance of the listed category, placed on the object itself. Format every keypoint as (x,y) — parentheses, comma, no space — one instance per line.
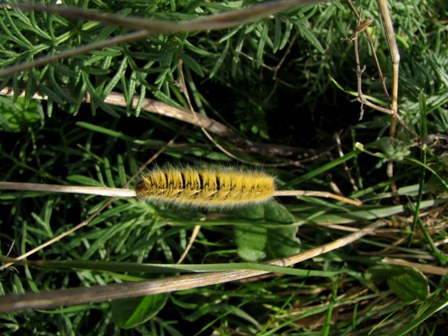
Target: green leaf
(308,34)
(275,212)
(132,312)
(16,117)
(407,283)
(282,242)
(410,285)
(251,241)
(100,129)
(114,81)
(192,64)
(84,180)
(269,211)
(256,242)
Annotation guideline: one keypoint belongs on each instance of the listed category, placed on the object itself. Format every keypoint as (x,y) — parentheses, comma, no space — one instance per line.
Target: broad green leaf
(132,312)
(256,242)
(270,212)
(251,241)
(282,242)
(409,286)
(275,212)
(407,283)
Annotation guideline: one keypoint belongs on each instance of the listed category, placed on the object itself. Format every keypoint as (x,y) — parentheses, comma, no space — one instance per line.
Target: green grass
(286,80)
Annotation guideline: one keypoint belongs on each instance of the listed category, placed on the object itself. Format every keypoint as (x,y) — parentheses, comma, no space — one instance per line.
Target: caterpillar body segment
(207,188)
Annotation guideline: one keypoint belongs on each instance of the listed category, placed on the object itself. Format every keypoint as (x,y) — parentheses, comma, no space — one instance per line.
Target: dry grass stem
(100,191)
(428,269)
(321,194)
(209,124)
(75,296)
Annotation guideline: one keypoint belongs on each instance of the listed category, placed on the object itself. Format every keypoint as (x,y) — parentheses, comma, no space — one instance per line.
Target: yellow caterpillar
(214,188)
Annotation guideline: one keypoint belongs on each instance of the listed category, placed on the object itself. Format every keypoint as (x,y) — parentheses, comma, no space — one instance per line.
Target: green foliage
(286,80)
(17,117)
(130,313)
(393,149)
(257,243)
(407,283)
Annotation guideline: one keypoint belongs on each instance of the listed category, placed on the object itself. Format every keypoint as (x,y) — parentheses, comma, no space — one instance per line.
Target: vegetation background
(285,84)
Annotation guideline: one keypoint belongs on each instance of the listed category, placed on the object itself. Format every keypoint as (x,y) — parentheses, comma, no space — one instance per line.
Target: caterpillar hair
(206,187)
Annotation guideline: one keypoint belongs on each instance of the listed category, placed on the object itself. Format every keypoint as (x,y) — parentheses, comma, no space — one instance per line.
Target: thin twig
(362,28)
(287,52)
(193,236)
(346,168)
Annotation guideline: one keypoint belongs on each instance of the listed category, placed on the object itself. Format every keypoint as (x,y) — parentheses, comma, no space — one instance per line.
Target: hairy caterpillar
(203,187)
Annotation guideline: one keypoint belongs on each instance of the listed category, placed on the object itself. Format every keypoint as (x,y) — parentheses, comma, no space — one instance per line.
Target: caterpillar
(206,188)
